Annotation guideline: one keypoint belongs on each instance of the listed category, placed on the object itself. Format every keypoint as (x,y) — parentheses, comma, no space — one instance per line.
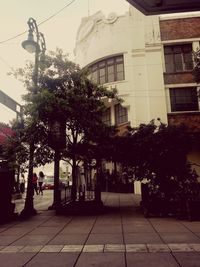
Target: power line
(55,14)
(52,16)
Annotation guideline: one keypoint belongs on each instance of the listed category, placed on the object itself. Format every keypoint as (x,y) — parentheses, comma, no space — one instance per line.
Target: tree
(196,69)
(159,154)
(66,96)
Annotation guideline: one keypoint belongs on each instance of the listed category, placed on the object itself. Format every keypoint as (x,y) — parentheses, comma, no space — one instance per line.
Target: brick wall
(183,28)
(178,78)
(191,120)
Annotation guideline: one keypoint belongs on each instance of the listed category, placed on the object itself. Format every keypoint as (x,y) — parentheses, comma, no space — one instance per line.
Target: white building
(149,60)
(125,52)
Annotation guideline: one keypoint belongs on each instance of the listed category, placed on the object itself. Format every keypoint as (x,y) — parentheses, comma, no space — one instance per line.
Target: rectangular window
(102,75)
(120,72)
(106,118)
(121,114)
(184,99)
(94,73)
(178,58)
(111,74)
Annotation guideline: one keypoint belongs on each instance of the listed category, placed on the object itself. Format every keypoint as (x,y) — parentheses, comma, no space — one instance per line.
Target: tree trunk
(98,184)
(74,183)
(56,192)
(29,206)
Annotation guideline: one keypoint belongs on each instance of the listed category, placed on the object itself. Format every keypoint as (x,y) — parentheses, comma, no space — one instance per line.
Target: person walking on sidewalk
(34,183)
(40,182)
(22,183)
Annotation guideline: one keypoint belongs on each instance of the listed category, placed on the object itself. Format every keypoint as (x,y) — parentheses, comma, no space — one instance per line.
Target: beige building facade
(149,60)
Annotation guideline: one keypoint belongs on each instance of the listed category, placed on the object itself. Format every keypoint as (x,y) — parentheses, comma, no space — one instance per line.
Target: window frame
(121,114)
(181,105)
(96,68)
(106,117)
(178,56)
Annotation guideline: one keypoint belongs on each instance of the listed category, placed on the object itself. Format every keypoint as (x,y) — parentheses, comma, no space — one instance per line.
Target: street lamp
(38,47)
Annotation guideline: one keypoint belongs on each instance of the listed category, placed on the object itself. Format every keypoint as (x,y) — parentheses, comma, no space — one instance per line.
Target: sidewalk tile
(52,260)
(180,248)
(150,238)
(101,239)
(72,248)
(75,239)
(11,249)
(101,260)
(195,247)
(162,259)
(52,248)
(114,248)
(191,259)
(136,248)
(31,248)
(158,248)
(93,248)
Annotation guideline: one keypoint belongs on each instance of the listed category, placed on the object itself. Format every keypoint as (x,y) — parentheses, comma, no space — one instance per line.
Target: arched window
(107,70)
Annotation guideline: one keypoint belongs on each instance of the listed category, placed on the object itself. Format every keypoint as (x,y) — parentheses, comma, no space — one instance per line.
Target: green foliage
(159,154)
(196,70)
(64,94)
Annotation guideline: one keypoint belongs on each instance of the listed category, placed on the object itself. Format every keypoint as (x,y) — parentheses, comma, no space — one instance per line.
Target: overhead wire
(42,22)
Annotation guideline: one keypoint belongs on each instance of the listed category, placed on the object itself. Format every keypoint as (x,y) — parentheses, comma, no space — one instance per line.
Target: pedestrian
(22,183)
(40,182)
(34,183)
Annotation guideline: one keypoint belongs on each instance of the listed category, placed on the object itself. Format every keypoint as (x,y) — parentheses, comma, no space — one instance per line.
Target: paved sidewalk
(121,237)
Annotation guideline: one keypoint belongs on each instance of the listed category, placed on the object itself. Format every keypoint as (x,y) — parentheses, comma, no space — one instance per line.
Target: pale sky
(60,31)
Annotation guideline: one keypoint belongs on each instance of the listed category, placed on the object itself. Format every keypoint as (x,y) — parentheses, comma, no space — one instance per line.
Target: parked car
(49,182)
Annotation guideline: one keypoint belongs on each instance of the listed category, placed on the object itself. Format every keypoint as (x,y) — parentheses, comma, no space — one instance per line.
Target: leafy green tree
(65,95)
(159,154)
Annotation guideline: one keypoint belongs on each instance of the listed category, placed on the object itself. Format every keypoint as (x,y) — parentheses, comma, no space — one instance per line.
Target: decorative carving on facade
(88,24)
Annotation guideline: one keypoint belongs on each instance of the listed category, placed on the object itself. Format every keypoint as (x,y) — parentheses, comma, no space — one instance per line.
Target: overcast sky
(60,31)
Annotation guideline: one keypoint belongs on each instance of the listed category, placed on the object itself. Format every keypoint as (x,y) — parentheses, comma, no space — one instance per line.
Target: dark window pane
(177,49)
(102,64)
(94,67)
(119,59)
(108,70)
(169,64)
(168,50)
(120,72)
(121,114)
(184,99)
(120,67)
(106,118)
(188,61)
(187,48)
(102,79)
(111,76)
(120,76)
(102,72)
(178,58)
(94,77)
(110,61)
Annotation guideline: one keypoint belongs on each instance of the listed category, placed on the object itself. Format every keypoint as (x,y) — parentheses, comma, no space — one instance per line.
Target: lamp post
(57,141)
(38,47)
